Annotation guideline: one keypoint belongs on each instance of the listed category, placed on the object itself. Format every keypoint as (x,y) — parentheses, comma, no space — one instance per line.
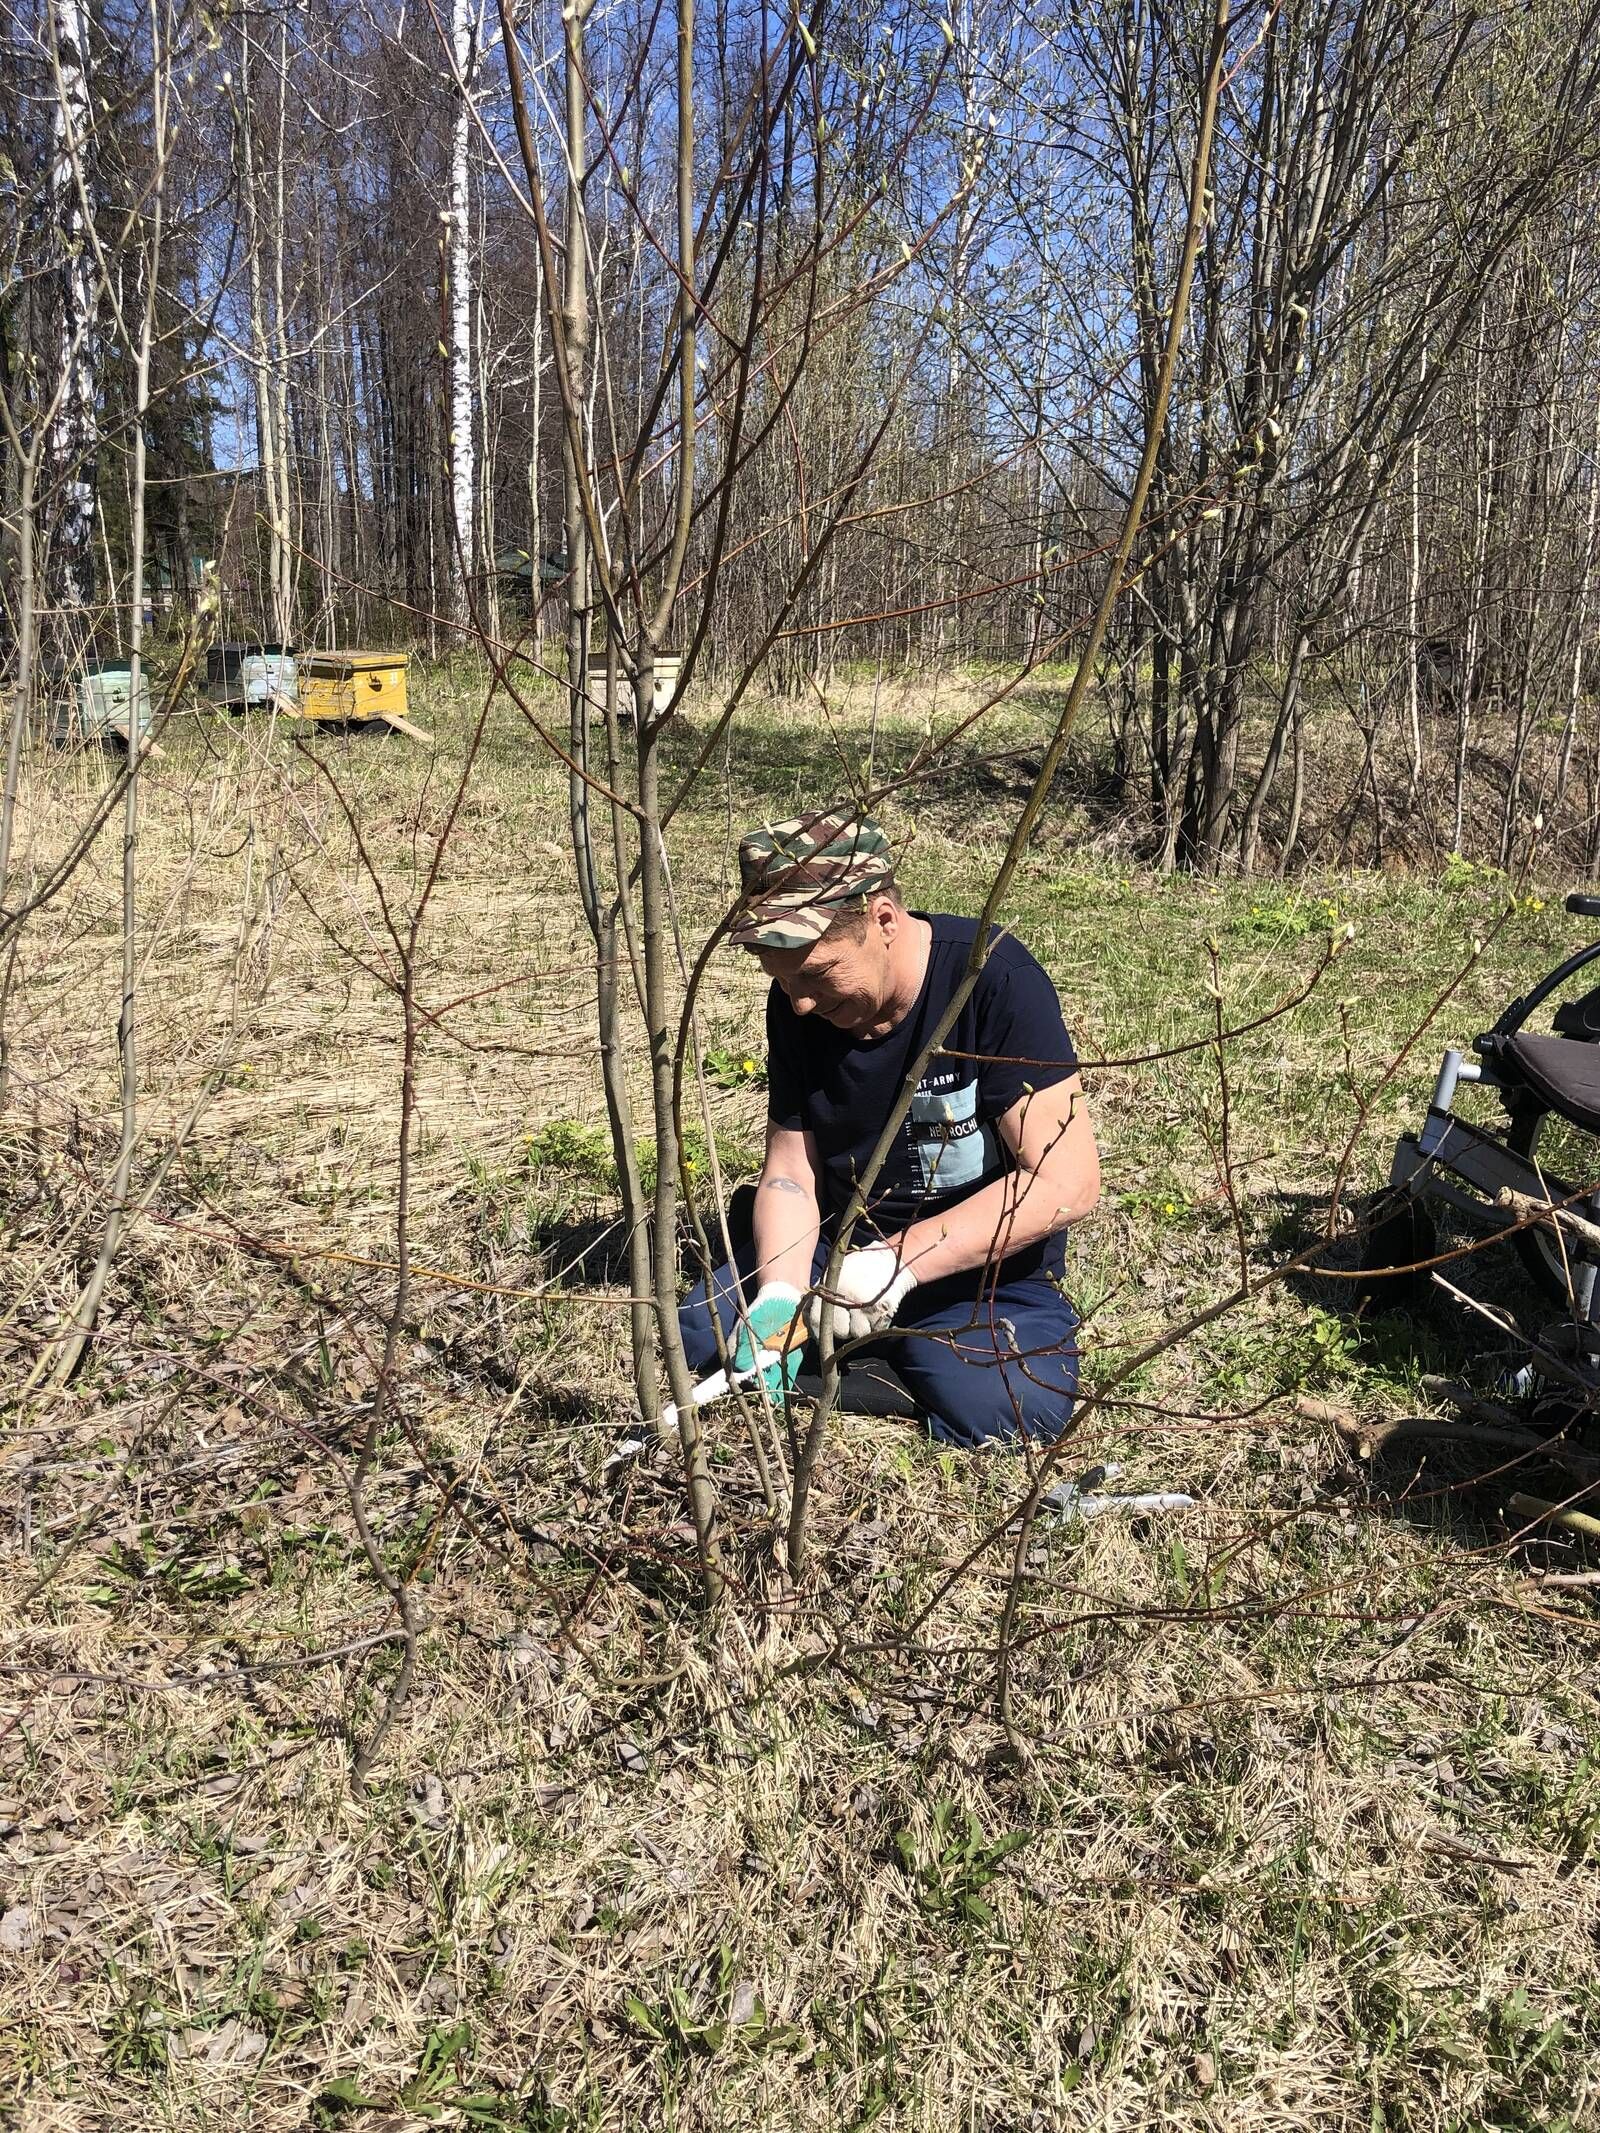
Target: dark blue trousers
(984,1360)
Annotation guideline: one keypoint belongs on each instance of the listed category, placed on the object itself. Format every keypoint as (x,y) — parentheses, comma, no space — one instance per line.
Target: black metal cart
(1544,1154)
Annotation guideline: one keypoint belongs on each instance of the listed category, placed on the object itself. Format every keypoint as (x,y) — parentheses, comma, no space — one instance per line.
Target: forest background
(1376,475)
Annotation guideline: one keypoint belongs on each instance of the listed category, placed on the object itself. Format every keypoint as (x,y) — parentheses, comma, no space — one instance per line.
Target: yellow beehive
(356,687)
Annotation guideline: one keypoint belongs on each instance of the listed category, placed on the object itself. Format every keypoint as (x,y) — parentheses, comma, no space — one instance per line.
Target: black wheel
(1568,1159)
(1403,1233)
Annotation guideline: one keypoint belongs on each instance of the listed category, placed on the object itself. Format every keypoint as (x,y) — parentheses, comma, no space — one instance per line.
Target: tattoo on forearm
(784,1185)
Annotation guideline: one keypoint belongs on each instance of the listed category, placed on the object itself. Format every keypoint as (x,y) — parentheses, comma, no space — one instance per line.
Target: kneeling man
(954,1273)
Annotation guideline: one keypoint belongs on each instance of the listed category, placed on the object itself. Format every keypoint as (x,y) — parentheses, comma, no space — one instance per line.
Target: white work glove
(871,1287)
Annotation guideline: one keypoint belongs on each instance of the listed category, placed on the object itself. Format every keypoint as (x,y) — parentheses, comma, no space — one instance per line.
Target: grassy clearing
(1309,1835)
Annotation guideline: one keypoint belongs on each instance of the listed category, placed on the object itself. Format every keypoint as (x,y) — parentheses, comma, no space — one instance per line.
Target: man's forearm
(1004,1217)
(786,1224)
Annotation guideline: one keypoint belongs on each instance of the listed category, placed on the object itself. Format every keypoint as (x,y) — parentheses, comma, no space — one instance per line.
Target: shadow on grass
(1409,1337)
(585,1250)
(788,761)
(581,1251)
(1442,1334)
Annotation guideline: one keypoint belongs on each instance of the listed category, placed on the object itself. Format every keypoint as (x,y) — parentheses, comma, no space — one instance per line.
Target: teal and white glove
(766,1323)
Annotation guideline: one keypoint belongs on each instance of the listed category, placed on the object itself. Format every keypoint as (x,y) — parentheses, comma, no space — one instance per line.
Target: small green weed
(136,2036)
(131,1565)
(1156,1204)
(1459,872)
(1287,917)
(730,1067)
(950,1874)
(699,2014)
(1250,1361)
(1528,2054)
(576,1149)
(583,1153)
(437,2091)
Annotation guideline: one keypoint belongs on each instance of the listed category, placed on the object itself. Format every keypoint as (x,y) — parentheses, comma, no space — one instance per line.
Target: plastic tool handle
(1070,1501)
(713,1387)
(1582,906)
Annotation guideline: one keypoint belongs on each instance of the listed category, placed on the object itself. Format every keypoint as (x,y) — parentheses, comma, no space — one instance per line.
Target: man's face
(845,980)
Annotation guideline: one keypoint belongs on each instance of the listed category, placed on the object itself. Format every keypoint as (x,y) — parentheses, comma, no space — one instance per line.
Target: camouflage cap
(795,876)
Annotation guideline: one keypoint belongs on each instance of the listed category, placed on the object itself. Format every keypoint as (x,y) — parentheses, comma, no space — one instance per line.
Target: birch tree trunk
(64,1358)
(73,437)
(1473,661)
(268,439)
(536,412)
(286,542)
(463,478)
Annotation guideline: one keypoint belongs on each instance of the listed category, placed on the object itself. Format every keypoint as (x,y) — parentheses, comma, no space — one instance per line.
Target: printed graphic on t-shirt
(949,1145)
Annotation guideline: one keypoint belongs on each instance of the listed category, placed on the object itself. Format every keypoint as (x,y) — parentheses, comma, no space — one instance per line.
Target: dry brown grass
(1307,1835)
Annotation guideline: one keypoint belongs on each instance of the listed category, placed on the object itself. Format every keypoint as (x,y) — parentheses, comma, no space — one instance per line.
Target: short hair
(850,923)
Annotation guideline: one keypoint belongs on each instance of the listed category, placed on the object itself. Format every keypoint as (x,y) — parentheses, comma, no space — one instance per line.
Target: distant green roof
(517,563)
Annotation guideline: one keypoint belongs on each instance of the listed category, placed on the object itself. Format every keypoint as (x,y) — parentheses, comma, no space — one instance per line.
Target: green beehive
(98,703)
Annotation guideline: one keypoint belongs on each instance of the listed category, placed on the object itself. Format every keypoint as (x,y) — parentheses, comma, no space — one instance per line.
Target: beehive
(251,676)
(356,688)
(664,679)
(97,702)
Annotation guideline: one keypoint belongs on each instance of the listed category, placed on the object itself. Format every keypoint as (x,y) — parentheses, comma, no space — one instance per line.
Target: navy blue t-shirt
(1008,1038)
